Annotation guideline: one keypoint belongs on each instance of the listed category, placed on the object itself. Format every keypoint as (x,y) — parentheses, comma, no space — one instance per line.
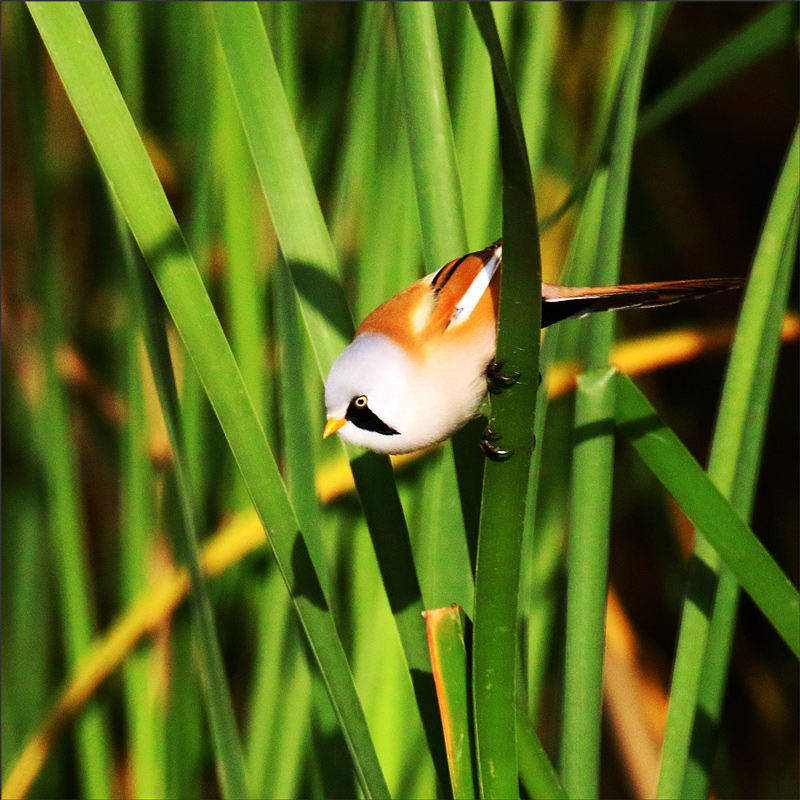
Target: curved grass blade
(122,156)
(708,509)
(771,29)
(701,662)
(505,483)
(761,37)
(536,771)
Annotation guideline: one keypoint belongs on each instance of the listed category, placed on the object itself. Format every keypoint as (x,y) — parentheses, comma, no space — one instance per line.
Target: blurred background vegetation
(84,448)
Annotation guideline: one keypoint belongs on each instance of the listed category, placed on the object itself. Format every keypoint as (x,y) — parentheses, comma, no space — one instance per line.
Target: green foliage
(281,170)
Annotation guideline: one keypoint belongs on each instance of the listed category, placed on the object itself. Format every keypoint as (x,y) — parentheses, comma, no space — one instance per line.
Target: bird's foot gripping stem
(491,450)
(497,381)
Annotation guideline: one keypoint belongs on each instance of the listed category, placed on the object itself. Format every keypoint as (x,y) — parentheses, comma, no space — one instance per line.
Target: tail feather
(565,302)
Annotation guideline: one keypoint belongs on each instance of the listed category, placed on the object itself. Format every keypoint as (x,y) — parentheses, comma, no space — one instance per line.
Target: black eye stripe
(363,417)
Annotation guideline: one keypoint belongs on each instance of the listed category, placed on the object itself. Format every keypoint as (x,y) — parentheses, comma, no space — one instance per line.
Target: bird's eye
(360,414)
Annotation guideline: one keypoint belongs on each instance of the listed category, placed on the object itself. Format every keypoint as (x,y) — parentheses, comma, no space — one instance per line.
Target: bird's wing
(459,290)
(441,302)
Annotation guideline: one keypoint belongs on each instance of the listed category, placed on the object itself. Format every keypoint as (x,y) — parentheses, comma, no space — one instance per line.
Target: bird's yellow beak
(332,425)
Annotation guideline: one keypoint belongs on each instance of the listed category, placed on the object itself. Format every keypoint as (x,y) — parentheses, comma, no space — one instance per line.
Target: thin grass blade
(536,771)
(765,34)
(145,715)
(708,509)
(122,156)
(146,718)
(720,642)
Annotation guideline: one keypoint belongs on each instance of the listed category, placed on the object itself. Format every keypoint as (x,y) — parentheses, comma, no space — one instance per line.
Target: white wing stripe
(478,286)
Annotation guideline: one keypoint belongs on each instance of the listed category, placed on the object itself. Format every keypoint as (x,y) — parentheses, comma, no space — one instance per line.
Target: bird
(421,363)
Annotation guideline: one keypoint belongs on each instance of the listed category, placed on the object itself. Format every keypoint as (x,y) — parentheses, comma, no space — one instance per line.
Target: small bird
(421,363)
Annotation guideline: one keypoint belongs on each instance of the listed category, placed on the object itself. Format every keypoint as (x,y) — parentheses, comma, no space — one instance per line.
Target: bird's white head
(370,396)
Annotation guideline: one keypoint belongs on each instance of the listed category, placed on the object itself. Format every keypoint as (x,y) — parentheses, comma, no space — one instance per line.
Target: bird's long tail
(565,302)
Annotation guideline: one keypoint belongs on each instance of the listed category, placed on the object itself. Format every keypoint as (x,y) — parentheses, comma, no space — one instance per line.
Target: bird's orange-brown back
(420,315)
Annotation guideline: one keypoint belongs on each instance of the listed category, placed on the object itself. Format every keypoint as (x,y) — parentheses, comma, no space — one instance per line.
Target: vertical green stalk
(593,458)
(245,277)
(125,40)
(65,523)
(282,21)
(281,680)
(430,134)
(137,524)
(475,133)
(535,83)
(362,134)
(587,563)
(542,555)
(191,35)
(145,714)
(504,488)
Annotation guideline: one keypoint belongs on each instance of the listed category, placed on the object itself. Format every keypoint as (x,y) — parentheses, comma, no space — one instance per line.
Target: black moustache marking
(450,273)
(367,420)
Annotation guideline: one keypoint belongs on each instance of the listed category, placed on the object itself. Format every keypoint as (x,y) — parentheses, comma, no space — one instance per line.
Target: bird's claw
(495,453)
(492,451)
(489,435)
(496,380)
